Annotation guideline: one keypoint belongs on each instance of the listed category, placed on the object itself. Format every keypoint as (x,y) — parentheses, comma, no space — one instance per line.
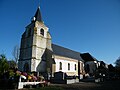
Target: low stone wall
(70,81)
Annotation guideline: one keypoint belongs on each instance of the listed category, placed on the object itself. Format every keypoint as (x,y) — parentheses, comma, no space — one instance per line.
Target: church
(39,54)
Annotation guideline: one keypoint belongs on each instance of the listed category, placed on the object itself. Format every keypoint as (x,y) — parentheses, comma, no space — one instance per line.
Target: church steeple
(35,43)
(37,16)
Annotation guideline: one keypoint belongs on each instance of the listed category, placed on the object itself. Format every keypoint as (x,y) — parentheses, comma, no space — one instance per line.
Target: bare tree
(15,53)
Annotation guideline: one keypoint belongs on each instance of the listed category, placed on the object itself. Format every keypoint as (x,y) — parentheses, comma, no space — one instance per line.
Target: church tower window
(68,66)
(42,31)
(60,66)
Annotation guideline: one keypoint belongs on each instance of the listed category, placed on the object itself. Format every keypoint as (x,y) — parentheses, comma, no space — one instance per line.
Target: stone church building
(39,54)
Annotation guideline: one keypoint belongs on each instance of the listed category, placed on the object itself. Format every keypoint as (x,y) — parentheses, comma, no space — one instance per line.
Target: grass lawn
(47,88)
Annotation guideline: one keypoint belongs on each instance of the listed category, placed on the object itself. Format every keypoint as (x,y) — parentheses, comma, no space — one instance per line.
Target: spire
(38,16)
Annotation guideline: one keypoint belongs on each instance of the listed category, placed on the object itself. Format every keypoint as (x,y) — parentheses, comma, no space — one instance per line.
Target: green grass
(47,88)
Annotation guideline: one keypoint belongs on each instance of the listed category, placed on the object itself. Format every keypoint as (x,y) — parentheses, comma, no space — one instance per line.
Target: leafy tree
(117,66)
(12,64)
(111,68)
(4,66)
(117,63)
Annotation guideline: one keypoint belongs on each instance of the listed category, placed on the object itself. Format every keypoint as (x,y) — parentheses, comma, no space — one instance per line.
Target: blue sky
(82,25)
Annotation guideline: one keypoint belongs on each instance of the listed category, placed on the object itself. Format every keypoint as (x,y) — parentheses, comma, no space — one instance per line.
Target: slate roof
(87,57)
(65,52)
(38,16)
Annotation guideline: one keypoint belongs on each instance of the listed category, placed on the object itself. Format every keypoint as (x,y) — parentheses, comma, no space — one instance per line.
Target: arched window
(60,66)
(68,66)
(75,66)
(42,31)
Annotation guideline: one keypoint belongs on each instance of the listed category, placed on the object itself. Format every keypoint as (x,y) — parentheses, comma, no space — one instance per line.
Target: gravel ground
(107,85)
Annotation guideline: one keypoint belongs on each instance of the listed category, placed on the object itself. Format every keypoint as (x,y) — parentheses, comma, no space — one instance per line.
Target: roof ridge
(66,48)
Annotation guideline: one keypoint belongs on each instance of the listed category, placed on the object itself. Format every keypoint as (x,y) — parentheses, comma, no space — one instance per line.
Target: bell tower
(34,43)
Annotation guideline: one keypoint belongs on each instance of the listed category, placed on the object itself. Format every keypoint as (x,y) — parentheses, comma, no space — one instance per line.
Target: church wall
(49,41)
(25,50)
(81,68)
(34,52)
(33,64)
(26,44)
(38,48)
(41,41)
(39,53)
(65,62)
(37,63)
(22,63)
